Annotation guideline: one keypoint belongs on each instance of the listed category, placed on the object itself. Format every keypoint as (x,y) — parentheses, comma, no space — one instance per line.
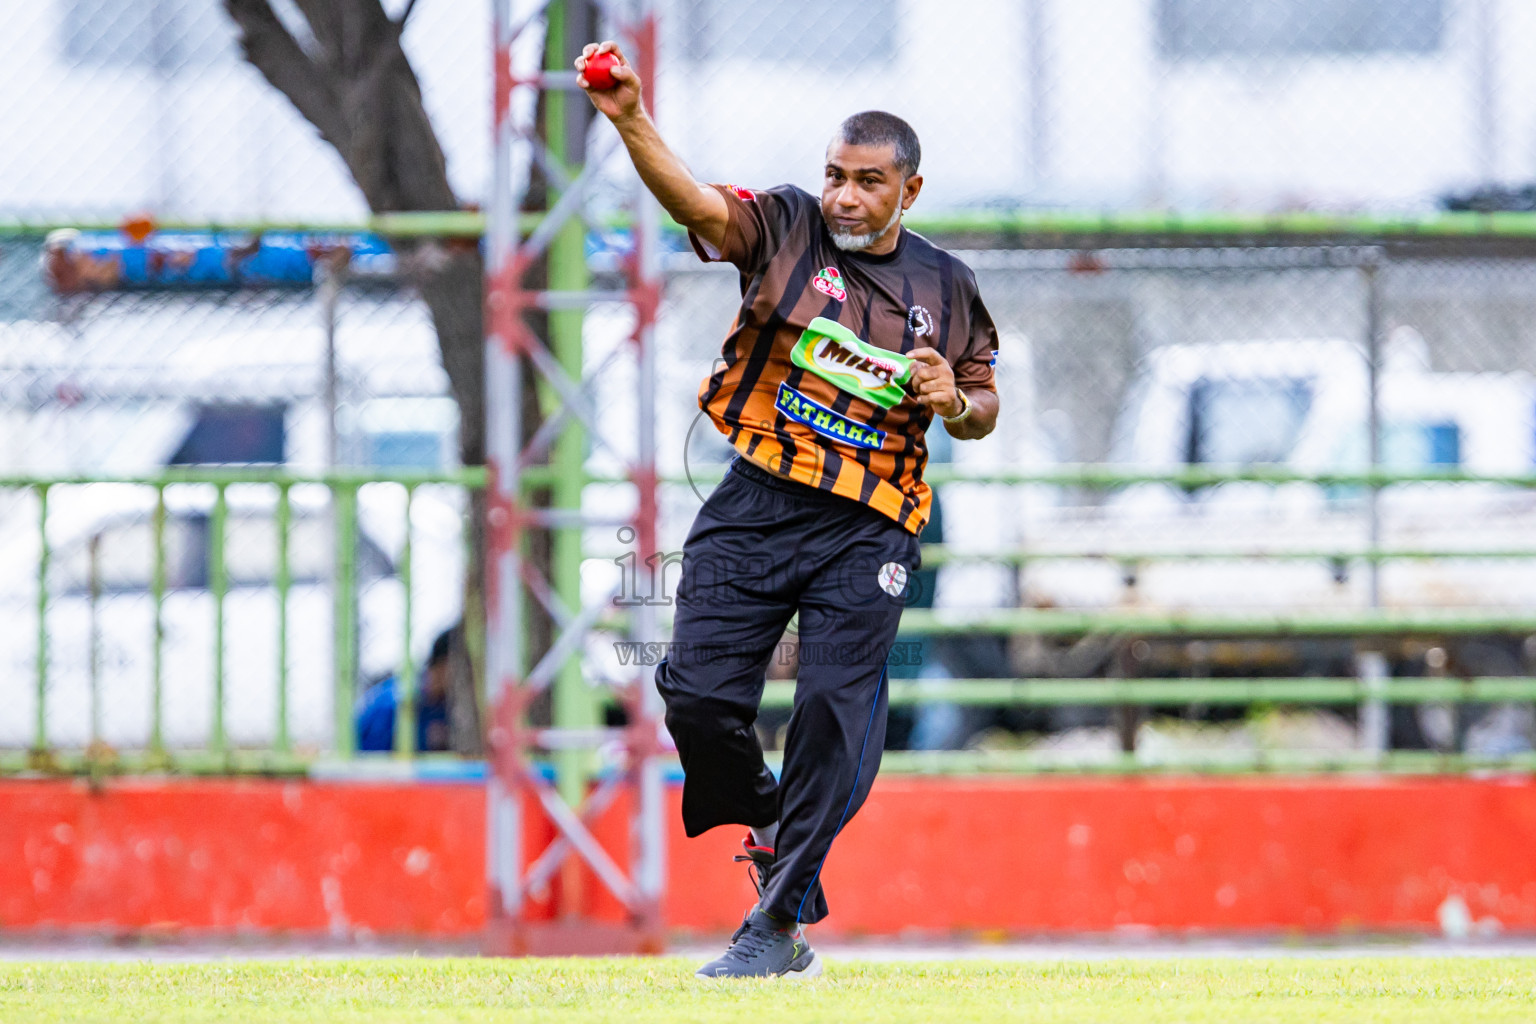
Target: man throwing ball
(852,336)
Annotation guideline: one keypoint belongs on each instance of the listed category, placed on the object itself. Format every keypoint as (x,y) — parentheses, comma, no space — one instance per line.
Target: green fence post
(157,594)
(218,586)
(344,499)
(576,706)
(93,640)
(474,618)
(283,582)
(405,712)
(40,733)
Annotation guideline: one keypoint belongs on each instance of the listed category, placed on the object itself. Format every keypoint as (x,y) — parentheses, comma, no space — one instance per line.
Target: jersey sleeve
(759,223)
(974,365)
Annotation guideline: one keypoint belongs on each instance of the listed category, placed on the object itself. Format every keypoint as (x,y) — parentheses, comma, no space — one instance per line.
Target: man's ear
(909,191)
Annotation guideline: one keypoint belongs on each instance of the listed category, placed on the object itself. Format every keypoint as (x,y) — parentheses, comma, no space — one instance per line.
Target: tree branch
(351,33)
(272,50)
(390,146)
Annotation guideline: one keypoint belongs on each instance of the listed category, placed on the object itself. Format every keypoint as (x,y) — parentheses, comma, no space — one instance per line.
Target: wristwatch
(965,408)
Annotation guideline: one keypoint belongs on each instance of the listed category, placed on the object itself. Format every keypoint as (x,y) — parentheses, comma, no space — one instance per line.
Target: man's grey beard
(849,242)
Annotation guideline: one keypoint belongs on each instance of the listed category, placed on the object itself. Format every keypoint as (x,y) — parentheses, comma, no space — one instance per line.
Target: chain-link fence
(1181,487)
(147,105)
(205,615)
(1168,359)
(1233,519)
(1237,104)
(1211,104)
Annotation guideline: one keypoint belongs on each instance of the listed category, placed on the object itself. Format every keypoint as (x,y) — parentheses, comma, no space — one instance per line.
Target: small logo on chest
(829,282)
(920,320)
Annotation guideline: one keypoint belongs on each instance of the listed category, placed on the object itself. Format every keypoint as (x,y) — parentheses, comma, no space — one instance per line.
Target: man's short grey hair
(877,128)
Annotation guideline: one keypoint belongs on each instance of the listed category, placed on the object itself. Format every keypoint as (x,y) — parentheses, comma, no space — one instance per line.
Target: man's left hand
(933,382)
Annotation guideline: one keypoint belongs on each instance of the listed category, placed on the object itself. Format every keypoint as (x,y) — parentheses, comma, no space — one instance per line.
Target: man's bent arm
(699,208)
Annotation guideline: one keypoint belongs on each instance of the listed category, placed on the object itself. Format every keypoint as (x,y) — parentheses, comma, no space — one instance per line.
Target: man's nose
(847,196)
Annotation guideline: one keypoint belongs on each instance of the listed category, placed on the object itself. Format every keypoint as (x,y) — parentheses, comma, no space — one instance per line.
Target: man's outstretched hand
(699,208)
(620,103)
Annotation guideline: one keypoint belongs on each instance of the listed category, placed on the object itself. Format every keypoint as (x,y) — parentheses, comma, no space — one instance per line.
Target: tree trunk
(350,78)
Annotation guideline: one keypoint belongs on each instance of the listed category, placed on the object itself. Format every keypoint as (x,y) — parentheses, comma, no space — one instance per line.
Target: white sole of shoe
(809,971)
(806,973)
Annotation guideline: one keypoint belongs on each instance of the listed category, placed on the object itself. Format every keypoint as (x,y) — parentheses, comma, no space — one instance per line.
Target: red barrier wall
(230,856)
(933,855)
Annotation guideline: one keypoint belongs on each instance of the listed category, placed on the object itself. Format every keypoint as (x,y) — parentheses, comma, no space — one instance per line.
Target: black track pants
(761,549)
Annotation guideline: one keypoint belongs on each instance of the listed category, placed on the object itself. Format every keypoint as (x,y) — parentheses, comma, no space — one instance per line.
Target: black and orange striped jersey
(800,425)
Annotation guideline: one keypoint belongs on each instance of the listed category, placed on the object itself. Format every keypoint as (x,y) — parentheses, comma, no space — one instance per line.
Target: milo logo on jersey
(836,354)
(829,282)
(825,422)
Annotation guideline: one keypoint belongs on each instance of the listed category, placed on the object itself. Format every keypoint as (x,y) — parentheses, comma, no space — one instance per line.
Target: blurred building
(1215,104)
(146,104)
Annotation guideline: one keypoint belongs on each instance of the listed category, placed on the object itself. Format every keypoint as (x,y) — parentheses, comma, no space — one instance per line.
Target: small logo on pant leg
(893,578)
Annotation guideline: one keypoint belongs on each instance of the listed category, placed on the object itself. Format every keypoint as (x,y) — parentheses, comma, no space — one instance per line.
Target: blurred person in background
(852,335)
(377,706)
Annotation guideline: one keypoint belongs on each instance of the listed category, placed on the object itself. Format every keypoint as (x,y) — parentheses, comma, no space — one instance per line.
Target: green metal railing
(1366,624)
(1465,233)
(218,755)
(1150,693)
(1016,225)
(1105,477)
(1050,693)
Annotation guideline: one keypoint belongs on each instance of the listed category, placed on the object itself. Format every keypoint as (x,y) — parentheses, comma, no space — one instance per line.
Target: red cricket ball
(599,71)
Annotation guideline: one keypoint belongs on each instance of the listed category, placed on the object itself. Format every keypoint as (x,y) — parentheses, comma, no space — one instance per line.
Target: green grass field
(1306,991)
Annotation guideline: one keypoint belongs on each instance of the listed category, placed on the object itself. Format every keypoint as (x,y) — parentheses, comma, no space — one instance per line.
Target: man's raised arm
(696,207)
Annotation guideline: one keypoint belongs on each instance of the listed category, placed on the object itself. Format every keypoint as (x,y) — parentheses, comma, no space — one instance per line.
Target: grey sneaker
(761,948)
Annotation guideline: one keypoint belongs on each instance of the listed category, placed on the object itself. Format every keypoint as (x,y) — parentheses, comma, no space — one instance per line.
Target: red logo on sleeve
(745,194)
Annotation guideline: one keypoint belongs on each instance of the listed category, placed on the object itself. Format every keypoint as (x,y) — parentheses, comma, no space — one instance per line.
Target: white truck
(122,400)
(1299,405)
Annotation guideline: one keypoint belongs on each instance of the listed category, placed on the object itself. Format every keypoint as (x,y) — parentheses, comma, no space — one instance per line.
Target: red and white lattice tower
(535,837)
